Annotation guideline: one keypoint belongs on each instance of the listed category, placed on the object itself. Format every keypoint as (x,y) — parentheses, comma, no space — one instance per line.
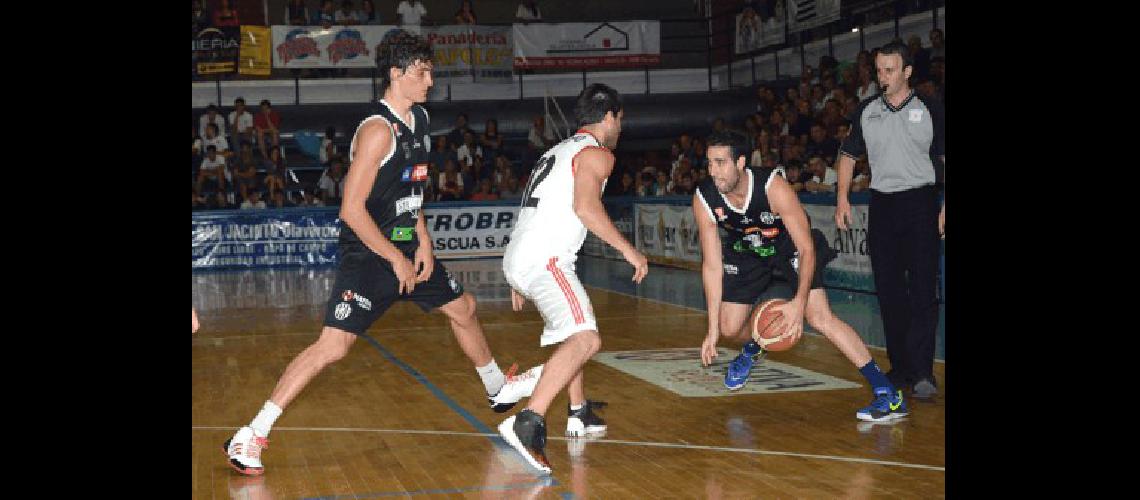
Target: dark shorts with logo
(753,274)
(365,287)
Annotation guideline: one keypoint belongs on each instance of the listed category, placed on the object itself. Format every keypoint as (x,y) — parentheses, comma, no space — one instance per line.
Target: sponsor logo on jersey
(770,232)
(409,204)
(346,296)
(916,115)
(745,219)
(751,230)
(415,173)
(767,218)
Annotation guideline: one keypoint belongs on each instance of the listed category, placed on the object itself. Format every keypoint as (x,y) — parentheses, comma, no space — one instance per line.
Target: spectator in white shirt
(825,176)
(331,184)
(411,15)
(469,153)
(211,116)
(213,139)
(241,124)
(213,167)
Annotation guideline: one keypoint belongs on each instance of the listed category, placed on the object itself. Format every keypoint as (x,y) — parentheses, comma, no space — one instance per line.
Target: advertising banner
(587,45)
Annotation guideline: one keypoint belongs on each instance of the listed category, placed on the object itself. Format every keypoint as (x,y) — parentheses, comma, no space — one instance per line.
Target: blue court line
(497,487)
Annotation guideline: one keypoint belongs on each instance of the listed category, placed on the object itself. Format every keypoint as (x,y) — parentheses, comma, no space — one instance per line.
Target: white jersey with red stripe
(547,225)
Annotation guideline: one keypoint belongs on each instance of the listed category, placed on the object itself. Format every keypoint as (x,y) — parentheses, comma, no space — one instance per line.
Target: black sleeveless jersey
(752,229)
(397,195)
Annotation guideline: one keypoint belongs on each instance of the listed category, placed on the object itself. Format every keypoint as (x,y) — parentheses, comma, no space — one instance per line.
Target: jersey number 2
(541,170)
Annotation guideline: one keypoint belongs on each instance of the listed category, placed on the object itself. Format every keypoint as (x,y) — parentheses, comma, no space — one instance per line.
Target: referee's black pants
(903,240)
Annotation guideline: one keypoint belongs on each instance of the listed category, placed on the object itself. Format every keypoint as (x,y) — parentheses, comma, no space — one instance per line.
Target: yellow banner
(256,56)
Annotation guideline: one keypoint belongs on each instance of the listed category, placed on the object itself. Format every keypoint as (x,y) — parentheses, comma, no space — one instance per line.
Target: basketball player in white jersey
(561,201)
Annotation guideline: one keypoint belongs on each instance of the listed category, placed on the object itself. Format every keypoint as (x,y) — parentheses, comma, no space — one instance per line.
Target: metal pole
(646,80)
(520,86)
(265,9)
(753,58)
(803,54)
(862,45)
(218,83)
(934,15)
(776,58)
(897,9)
(373,84)
(708,48)
(583,79)
(830,47)
(296,90)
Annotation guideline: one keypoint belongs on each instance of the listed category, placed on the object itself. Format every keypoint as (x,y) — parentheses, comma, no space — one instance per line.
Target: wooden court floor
(407,415)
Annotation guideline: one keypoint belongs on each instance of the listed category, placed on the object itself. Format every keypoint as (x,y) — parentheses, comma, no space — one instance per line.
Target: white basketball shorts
(557,293)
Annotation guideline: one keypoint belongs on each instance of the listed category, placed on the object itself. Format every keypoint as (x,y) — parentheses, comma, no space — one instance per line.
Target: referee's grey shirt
(902,143)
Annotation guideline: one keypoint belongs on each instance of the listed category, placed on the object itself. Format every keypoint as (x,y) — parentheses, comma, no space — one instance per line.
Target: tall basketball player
(561,201)
(385,252)
(768,229)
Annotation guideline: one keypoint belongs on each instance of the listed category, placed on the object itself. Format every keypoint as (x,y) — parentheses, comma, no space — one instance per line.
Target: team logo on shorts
(342,311)
(767,217)
(363,302)
(452,283)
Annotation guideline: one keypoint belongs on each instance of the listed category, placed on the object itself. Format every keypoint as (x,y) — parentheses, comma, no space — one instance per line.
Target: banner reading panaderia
(472,53)
(264,238)
(479,52)
(215,50)
(587,45)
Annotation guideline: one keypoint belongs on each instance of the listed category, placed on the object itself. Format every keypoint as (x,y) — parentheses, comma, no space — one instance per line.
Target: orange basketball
(767,327)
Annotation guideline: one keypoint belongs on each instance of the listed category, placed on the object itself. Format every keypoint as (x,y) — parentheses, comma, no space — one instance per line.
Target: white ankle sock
(264,420)
(492,376)
(574,408)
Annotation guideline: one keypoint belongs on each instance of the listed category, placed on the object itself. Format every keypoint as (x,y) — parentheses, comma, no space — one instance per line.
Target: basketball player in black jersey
(767,229)
(385,252)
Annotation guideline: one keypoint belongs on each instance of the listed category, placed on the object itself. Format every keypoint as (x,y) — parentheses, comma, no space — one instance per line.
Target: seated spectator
(841,132)
(450,192)
(626,187)
(867,84)
(296,13)
(645,187)
(764,148)
(484,192)
(213,167)
(253,201)
(699,159)
(510,188)
(820,144)
(684,185)
(346,15)
(312,199)
(212,116)
(327,15)
(832,117)
(245,170)
(539,139)
(196,150)
(440,152)
(455,136)
(801,120)
(451,175)
(675,173)
(663,185)
(470,182)
(528,12)
(298,198)
(466,14)
(824,177)
(469,153)
(240,122)
(411,15)
(502,170)
(226,15)
(328,149)
(267,122)
(491,141)
(792,175)
(332,182)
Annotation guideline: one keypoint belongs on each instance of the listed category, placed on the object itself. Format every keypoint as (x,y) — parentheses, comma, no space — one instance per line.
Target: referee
(903,135)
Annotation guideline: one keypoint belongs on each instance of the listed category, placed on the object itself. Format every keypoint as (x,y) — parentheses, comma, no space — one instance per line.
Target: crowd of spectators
(409,14)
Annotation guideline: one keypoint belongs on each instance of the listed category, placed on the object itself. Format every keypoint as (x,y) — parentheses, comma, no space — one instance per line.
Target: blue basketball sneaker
(739,368)
(886,406)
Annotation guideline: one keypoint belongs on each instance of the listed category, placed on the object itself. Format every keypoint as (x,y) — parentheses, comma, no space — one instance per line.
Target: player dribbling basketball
(768,229)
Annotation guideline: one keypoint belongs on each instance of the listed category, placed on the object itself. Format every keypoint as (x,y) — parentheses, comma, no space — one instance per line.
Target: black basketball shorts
(745,276)
(366,286)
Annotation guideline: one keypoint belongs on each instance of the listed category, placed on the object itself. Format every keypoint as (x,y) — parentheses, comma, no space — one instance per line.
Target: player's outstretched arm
(591,168)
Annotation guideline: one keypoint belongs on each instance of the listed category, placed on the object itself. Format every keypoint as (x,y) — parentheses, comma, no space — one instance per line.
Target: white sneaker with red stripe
(244,451)
(517,387)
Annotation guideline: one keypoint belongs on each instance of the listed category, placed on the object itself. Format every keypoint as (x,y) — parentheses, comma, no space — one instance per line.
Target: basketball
(767,328)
